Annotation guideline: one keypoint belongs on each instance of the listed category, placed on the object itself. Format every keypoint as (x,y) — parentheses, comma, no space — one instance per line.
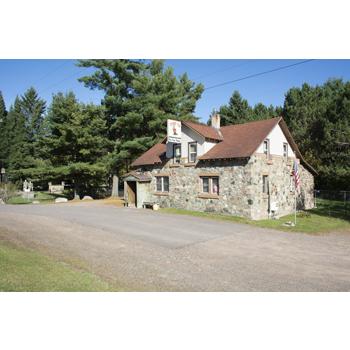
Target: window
(265,184)
(192,152)
(285,150)
(215,185)
(267,147)
(177,153)
(210,185)
(162,183)
(205,181)
(291,183)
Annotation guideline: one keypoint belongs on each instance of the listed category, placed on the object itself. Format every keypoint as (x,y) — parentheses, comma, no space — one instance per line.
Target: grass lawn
(42,197)
(313,221)
(24,270)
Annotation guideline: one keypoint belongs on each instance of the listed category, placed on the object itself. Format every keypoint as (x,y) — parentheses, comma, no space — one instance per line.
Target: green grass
(42,197)
(312,221)
(18,200)
(24,270)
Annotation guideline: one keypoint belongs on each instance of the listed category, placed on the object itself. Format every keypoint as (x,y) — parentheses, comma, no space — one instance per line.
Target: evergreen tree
(3,136)
(33,109)
(139,97)
(17,143)
(77,142)
(239,111)
(319,118)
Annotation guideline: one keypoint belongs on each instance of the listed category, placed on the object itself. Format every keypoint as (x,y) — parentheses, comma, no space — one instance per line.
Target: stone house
(243,170)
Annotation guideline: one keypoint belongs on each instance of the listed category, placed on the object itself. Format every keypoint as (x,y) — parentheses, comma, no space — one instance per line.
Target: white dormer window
(177,153)
(266,147)
(192,152)
(285,150)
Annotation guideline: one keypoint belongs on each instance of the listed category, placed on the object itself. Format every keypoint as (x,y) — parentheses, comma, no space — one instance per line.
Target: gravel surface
(153,251)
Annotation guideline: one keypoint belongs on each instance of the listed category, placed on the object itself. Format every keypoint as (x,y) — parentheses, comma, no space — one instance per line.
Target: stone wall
(240,182)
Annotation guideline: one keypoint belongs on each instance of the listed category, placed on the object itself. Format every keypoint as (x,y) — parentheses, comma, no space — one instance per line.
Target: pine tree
(76,142)
(17,144)
(3,136)
(33,109)
(139,97)
(237,111)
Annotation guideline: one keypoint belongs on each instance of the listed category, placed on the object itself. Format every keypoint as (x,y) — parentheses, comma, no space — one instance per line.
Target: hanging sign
(174,131)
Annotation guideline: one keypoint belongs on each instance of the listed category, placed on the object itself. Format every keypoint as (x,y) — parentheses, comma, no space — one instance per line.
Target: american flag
(296,176)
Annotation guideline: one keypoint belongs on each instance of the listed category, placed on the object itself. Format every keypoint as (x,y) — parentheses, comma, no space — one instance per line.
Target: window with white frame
(266,147)
(285,150)
(192,152)
(162,183)
(210,184)
(177,153)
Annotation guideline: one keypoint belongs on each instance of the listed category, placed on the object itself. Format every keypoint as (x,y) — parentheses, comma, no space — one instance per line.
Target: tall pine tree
(139,97)
(3,136)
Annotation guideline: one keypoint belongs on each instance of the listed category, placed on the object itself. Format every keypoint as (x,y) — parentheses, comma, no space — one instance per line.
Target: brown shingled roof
(205,130)
(241,140)
(152,156)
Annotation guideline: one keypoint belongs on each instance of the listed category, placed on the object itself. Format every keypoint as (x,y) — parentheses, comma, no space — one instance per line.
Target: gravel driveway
(154,251)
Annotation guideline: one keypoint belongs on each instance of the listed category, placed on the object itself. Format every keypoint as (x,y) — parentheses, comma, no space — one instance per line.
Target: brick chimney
(215,120)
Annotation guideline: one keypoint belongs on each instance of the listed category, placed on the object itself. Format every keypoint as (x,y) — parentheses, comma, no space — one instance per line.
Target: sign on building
(174,131)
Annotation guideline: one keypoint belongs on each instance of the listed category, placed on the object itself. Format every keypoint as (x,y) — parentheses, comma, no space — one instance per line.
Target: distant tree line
(319,120)
(85,143)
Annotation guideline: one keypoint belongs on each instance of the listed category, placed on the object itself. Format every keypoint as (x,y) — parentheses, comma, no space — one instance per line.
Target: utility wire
(50,72)
(223,70)
(61,81)
(258,74)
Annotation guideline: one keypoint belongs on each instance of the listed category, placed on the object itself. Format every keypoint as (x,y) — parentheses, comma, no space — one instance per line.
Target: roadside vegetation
(329,216)
(24,270)
(41,197)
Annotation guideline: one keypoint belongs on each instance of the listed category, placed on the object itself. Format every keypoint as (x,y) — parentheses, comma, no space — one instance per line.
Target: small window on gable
(266,147)
(285,150)
(177,153)
(192,152)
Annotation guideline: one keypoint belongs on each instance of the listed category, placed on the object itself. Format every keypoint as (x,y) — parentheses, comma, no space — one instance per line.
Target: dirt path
(144,250)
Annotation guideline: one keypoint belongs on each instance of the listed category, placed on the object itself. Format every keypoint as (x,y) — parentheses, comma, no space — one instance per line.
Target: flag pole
(295,205)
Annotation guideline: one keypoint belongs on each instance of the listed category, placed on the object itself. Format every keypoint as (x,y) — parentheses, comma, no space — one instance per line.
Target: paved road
(146,250)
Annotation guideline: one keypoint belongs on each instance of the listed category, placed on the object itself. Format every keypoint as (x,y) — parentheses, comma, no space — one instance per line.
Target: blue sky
(51,76)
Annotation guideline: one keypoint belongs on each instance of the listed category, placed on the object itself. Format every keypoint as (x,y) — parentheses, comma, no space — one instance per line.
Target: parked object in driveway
(61,200)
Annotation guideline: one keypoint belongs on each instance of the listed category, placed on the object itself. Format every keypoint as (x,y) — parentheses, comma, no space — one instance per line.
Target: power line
(61,81)
(258,74)
(223,70)
(50,72)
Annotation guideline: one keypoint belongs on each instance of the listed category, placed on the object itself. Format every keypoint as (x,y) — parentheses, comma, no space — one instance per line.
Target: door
(131,192)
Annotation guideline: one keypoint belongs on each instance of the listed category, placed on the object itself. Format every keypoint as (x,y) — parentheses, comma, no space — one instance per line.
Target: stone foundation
(240,186)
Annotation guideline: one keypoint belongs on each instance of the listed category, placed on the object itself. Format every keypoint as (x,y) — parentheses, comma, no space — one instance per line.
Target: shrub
(7,191)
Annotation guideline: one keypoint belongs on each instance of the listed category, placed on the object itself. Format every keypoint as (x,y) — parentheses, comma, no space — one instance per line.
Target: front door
(131,188)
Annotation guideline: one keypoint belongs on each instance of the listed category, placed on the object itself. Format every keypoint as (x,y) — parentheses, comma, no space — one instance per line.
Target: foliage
(238,111)
(22,131)
(7,191)
(319,118)
(139,97)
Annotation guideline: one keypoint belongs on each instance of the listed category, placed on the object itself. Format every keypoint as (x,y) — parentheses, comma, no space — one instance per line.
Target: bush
(7,191)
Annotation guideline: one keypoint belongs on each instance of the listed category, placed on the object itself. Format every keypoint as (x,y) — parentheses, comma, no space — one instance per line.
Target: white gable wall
(277,138)
(188,135)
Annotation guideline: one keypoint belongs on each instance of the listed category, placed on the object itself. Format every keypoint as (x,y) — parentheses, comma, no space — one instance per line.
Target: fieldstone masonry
(241,186)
